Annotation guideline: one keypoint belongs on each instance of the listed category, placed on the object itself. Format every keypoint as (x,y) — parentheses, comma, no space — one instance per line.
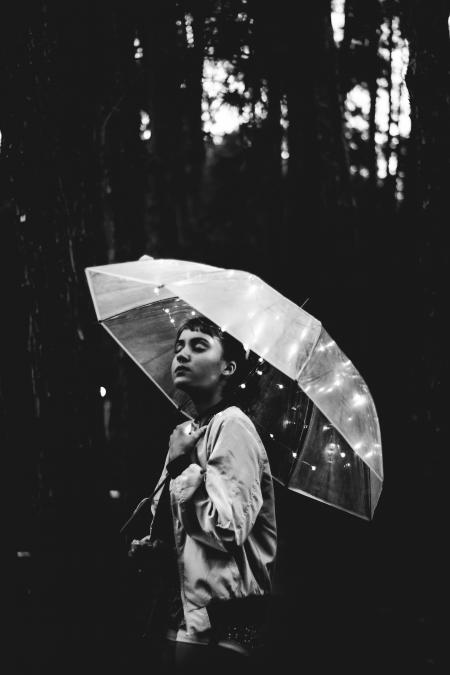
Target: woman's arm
(219,506)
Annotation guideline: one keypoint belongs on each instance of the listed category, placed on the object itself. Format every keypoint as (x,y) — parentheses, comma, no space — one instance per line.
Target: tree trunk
(427,218)
(163,73)
(320,202)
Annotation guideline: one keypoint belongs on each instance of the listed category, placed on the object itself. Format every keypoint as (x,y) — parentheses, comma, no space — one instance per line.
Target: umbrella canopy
(314,410)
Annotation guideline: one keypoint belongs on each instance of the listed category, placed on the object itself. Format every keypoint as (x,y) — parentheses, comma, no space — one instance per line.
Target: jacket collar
(208,414)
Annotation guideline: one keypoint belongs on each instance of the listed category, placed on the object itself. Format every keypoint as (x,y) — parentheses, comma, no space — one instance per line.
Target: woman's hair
(233,350)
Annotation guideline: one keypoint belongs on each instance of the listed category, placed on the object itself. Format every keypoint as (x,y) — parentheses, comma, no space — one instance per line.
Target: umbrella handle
(144,501)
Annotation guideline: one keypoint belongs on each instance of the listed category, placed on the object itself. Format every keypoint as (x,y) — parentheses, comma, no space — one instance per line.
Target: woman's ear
(230,368)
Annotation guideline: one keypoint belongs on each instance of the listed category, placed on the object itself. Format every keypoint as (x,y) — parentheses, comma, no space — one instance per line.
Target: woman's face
(198,364)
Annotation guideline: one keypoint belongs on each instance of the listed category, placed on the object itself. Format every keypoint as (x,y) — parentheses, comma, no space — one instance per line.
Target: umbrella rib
(116,316)
(304,432)
(307,360)
(323,501)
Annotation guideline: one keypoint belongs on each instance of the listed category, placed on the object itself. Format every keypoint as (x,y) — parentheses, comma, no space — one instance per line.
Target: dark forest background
(106,155)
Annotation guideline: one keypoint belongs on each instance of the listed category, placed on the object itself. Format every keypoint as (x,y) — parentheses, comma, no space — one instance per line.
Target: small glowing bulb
(242,386)
(172,320)
(260,360)
(259,372)
(358,400)
(271,436)
(294,454)
(313,467)
(193,313)
(102,392)
(166,309)
(342,454)
(293,349)
(114,494)
(280,386)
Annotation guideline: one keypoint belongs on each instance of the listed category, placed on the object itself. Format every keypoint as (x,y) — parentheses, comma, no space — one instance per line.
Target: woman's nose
(182,356)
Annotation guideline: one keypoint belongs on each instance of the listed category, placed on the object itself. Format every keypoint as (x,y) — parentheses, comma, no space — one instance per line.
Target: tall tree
(427,217)
(162,64)
(320,200)
(51,174)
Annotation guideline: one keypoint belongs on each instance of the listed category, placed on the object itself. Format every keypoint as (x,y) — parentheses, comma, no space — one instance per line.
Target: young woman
(218,511)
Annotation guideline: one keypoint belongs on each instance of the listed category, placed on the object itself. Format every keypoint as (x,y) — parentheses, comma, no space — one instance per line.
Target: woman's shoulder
(233,416)
(233,425)
(231,412)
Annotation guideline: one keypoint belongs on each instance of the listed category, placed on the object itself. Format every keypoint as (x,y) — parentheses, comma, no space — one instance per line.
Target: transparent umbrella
(314,410)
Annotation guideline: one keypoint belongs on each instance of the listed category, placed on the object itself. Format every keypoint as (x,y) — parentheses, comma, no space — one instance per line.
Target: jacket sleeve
(219,505)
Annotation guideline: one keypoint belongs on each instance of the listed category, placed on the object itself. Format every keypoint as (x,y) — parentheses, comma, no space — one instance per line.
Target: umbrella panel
(338,390)
(329,470)
(147,334)
(306,452)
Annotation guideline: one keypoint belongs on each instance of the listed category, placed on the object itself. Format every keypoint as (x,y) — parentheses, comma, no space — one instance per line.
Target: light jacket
(224,519)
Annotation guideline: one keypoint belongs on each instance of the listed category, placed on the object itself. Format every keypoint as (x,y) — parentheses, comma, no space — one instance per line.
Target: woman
(222,511)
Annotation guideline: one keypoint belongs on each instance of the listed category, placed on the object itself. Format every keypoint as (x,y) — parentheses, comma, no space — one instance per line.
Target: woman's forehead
(187,334)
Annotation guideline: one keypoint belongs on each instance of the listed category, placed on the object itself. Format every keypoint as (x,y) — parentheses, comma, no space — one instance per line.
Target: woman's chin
(182,384)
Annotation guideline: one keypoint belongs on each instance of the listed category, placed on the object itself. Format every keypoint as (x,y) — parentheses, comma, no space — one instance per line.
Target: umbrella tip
(146,257)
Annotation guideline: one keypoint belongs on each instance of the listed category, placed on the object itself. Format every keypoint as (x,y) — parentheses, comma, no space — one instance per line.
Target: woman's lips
(181,370)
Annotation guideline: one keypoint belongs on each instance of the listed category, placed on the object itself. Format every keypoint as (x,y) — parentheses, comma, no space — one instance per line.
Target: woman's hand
(183,441)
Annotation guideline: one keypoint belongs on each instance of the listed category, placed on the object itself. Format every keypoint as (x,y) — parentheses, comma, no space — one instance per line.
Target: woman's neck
(204,404)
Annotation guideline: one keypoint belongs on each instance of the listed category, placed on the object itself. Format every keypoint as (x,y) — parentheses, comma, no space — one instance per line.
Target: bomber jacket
(224,523)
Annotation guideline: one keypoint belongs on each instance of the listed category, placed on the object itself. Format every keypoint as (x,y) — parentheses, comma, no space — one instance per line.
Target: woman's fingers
(199,433)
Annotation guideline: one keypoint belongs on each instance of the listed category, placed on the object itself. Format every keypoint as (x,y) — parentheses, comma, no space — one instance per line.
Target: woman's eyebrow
(195,340)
